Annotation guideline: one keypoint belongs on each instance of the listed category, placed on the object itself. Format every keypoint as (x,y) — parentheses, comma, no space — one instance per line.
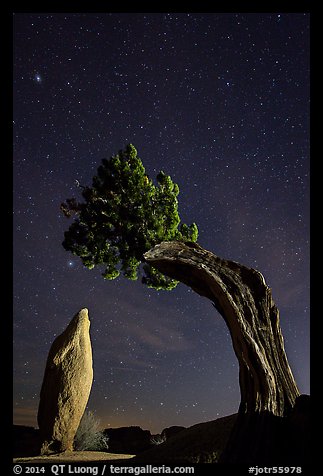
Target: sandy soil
(72,457)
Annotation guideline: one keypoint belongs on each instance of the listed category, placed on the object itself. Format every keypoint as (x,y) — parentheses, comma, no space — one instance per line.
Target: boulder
(25,441)
(299,447)
(201,443)
(66,386)
(129,439)
(171,431)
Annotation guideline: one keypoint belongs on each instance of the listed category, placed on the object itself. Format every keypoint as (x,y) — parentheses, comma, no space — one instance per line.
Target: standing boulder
(66,386)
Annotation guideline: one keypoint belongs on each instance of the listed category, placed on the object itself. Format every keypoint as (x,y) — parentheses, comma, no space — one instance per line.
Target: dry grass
(72,457)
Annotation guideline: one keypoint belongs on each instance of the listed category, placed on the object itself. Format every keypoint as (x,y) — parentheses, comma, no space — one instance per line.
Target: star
(38,78)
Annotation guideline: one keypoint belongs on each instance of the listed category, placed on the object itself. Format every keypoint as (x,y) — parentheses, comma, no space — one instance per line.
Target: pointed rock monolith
(66,386)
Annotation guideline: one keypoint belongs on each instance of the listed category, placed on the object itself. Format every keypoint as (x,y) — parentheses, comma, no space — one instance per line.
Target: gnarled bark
(240,294)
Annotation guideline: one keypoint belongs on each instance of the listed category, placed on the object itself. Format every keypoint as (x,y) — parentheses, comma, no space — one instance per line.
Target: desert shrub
(88,436)
(157,439)
(205,457)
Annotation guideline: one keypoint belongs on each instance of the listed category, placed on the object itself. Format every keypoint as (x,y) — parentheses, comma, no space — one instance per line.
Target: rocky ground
(200,443)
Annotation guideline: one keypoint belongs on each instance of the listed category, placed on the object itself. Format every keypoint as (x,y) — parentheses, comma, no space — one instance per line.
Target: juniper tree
(124,214)
(126,220)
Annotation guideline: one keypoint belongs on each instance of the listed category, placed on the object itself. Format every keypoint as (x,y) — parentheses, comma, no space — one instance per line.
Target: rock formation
(66,386)
(240,294)
(128,439)
(171,431)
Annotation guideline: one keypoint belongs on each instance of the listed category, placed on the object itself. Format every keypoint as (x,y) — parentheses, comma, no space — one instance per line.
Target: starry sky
(220,101)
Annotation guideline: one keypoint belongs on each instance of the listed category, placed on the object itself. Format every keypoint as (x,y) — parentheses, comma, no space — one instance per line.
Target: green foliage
(124,214)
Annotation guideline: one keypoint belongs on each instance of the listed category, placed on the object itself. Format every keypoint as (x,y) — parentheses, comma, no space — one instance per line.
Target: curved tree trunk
(240,294)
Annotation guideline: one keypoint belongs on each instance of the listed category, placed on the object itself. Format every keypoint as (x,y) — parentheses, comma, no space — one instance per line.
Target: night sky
(220,101)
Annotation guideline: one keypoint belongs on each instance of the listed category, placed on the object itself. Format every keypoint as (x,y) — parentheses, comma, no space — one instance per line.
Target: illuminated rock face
(66,385)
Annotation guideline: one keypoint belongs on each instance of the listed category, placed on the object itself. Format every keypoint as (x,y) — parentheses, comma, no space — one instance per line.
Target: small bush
(205,457)
(88,436)
(157,439)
